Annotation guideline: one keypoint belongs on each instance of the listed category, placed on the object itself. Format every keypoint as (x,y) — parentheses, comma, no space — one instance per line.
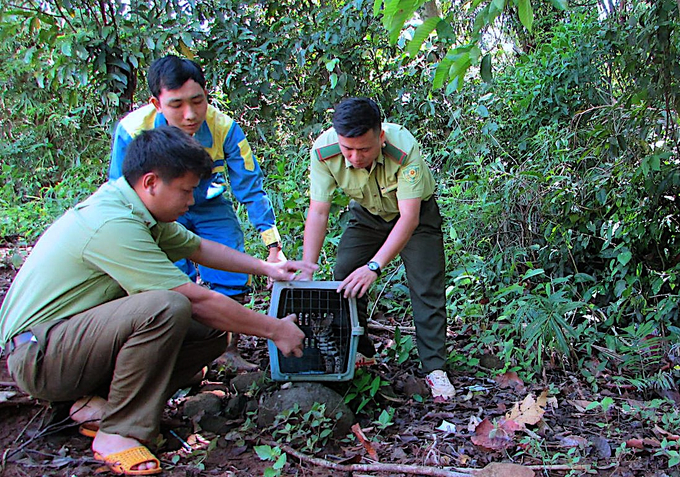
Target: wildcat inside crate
(331,328)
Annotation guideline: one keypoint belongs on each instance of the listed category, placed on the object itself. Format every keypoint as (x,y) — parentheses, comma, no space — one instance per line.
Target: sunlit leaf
(526,13)
(560,4)
(441,73)
(421,34)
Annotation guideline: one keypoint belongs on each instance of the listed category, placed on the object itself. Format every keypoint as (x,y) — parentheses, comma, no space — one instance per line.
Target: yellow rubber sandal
(88,429)
(122,463)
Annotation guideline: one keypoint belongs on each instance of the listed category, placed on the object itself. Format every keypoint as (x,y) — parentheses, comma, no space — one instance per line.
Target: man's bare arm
(220,312)
(315,232)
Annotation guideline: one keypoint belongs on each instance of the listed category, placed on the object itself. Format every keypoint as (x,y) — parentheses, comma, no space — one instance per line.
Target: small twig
(374,325)
(404,469)
(51,429)
(558,467)
(375,304)
(29,423)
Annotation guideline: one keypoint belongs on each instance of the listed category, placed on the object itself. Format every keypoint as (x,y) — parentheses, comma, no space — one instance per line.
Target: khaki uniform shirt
(399,173)
(106,247)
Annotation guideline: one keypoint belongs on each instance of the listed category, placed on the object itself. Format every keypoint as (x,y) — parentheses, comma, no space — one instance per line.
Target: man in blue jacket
(180,99)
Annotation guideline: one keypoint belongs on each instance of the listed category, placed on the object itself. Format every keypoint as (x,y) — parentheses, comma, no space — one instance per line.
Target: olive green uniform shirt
(106,247)
(399,173)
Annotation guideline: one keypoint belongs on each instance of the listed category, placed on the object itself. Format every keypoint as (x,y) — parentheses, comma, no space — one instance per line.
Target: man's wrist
(374,267)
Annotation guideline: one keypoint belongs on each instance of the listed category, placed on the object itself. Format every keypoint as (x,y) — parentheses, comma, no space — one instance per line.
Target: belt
(20,339)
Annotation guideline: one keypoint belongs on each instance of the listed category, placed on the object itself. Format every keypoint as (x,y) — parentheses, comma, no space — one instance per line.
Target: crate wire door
(329,321)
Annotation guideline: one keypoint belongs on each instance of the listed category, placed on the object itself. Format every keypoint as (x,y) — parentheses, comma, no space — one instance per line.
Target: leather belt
(20,339)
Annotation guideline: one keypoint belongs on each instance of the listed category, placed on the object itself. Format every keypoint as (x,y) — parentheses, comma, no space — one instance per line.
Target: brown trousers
(134,351)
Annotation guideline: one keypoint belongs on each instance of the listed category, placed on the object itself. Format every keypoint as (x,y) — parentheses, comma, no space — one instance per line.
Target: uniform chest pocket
(389,189)
(356,193)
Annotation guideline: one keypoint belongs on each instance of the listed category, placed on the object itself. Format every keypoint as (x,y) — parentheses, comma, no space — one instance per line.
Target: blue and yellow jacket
(224,140)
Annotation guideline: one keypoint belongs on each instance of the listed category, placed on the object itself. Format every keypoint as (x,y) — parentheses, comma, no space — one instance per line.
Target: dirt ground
(570,438)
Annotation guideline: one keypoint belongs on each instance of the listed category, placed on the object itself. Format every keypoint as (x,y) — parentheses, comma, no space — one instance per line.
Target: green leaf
(334,80)
(499,4)
(66,48)
(481,19)
(398,12)
(187,39)
(620,287)
(421,34)
(526,13)
(441,73)
(385,418)
(461,65)
(264,452)
(389,11)
(280,462)
(532,273)
(270,472)
(330,65)
(376,7)
(375,385)
(475,53)
(624,257)
(485,69)
(560,4)
(113,98)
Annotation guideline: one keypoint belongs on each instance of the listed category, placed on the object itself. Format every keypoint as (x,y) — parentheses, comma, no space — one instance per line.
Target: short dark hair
(169,152)
(353,117)
(171,72)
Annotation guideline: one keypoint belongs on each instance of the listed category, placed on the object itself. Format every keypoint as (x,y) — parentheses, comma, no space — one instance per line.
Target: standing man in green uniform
(98,308)
(393,212)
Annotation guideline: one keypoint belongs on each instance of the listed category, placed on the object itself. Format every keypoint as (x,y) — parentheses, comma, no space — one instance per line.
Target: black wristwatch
(274,245)
(374,267)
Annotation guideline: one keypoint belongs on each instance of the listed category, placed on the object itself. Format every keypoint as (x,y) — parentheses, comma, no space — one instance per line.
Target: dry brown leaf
(510,380)
(490,437)
(666,434)
(651,442)
(580,404)
(496,469)
(356,429)
(635,443)
(474,422)
(529,411)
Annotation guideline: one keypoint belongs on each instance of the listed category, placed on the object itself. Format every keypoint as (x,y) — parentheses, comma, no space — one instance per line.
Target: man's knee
(177,305)
(168,304)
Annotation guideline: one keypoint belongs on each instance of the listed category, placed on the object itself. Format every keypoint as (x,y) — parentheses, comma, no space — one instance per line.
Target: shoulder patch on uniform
(394,152)
(326,152)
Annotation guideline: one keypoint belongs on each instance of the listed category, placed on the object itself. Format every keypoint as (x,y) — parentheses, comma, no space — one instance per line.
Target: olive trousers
(424,260)
(135,352)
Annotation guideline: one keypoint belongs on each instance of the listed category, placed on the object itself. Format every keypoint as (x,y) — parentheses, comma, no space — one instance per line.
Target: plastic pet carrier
(331,328)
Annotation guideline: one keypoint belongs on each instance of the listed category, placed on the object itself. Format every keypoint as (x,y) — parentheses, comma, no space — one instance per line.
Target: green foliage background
(553,133)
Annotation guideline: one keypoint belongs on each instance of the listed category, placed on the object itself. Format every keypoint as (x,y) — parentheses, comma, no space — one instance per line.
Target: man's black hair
(354,117)
(171,72)
(169,152)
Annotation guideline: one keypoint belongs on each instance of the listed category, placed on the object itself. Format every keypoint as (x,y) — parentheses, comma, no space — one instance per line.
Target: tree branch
(404,469)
